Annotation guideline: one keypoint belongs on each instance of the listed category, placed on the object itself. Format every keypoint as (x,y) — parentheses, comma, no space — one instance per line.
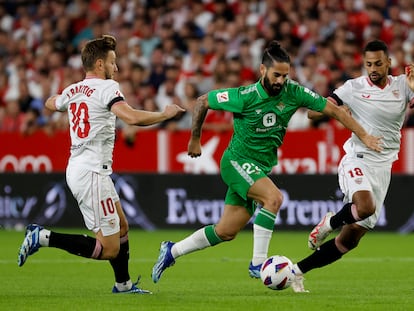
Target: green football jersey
(260,120)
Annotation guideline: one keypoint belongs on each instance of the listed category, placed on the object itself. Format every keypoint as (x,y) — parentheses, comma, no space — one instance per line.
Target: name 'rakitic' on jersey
(84,89)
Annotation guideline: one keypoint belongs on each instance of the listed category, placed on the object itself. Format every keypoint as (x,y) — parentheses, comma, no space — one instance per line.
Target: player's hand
(373,142)
(172,110)
(409,72)
(346,109)
(194,147)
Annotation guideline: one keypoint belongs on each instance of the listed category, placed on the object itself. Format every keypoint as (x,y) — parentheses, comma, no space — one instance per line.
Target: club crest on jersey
(222,97)
(280,106)
(396,93)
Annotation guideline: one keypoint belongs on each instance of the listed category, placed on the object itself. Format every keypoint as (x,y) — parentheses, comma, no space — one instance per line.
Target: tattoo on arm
(199,114)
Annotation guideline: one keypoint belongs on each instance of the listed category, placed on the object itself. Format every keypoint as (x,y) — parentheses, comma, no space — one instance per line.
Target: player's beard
(108,74)
(376,78)
(272,89)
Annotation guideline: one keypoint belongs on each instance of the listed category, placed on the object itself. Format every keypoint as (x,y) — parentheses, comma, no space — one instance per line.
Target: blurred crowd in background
(172,51)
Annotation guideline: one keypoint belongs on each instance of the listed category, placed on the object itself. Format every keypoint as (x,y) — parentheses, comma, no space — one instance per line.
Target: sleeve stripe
(114,101)
(335,98)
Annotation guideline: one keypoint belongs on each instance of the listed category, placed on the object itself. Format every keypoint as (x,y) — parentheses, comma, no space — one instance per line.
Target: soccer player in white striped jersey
(92,106)
(378,101)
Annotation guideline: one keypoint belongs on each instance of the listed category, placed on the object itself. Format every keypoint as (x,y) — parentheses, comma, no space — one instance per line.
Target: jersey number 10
(80,119)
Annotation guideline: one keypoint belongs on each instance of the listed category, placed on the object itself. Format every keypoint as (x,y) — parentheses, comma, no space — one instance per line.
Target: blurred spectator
(183,121)
(135,54)
(129,132)
(208,43)
(12,118)
(157,68)
(218,121)
(6,20)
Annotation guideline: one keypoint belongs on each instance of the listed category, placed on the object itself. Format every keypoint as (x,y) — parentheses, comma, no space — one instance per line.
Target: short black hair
(275,53)
(376,45)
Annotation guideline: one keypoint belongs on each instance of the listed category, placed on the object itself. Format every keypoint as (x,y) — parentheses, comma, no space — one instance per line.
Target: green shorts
(239,174)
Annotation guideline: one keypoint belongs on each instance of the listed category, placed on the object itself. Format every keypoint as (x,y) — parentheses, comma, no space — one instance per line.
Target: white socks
(122,287)
(196,241)
(261,241)
(44,235)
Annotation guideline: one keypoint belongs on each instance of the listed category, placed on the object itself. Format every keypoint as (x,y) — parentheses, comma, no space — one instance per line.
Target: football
(277,272)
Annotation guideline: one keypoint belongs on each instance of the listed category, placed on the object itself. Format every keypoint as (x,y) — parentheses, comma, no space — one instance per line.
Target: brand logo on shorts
(223,97)
(112,223)
(358,181)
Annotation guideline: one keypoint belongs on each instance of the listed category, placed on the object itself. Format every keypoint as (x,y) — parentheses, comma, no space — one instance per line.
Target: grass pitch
(379,275)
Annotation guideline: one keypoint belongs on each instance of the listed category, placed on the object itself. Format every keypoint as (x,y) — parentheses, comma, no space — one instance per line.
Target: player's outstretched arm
(138,117)
(316,115)
(200,111)
(372,142)
(50,103)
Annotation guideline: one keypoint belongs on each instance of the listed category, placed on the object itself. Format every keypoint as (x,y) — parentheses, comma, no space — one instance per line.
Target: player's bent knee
(110,253)
(366,211)
(346,245)
(274,203)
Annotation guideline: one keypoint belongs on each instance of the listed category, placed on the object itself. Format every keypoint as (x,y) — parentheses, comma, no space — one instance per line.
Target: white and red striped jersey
(380,111)
(92,124)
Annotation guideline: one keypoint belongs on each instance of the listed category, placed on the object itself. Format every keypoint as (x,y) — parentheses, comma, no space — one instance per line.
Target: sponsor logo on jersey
(249,90)
(396,93)
(269,119)
(311,93)
(222,97)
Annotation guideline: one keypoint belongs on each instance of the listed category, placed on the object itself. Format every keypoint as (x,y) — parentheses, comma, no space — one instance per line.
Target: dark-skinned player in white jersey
(261,114)
(379,102)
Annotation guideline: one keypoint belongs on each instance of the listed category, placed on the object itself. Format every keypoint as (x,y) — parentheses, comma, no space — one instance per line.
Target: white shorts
(96,196)
(354,174)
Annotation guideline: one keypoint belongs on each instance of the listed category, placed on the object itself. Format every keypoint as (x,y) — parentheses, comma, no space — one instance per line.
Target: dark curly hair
(376,45)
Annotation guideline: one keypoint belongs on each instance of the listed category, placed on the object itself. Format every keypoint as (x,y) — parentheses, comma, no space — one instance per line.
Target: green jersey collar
(262,93)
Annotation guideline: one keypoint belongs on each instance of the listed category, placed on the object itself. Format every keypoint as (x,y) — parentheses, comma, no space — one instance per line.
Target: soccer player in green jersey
(261,114)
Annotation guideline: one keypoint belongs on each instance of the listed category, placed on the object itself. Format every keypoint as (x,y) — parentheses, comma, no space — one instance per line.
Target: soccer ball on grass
(277,272)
